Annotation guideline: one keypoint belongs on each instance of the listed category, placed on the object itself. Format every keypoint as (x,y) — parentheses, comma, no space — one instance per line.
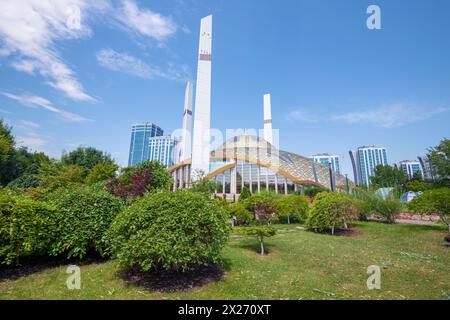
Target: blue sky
(335,84)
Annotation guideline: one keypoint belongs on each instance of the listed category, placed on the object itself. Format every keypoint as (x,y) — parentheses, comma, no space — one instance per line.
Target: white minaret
(268,132)
(202,118)
(186,139)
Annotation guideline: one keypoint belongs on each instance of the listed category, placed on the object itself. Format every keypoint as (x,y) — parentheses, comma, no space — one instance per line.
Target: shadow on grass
(32,265)
(171,281)
(254,248)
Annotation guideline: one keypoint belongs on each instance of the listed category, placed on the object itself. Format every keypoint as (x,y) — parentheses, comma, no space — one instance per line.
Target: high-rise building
(410,168)
(327,159)
(365,160)
(139,146)
(202,119)
(268,130)
(162,149)
(185,145)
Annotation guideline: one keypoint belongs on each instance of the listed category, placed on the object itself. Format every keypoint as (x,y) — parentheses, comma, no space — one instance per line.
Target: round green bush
(83,217)
(170,231)
(26,228)
(330,210)
(292,208)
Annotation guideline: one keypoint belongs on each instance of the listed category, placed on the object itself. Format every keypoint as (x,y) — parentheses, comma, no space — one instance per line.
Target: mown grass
(300,265)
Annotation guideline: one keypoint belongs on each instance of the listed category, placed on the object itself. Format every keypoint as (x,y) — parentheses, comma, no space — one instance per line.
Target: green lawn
(301,265)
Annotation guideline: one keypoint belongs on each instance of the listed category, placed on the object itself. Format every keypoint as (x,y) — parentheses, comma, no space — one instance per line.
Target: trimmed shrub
(25,227)
(176,231)
(331,210)
(83,217)
(292,208)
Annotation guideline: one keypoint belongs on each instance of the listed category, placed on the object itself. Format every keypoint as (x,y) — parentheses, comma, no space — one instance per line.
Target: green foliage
(136,181)
(83,215)
(417,186)
(260,232)
(102,171)
(241,213)
(370,203)
(331,210)
(312,191)
(440,159)
(292,208)
(6,154)
(433,202)
(263,206)
(86,157)
(245,194)
(170,231)
(54,176)
(26,227)
(388,177)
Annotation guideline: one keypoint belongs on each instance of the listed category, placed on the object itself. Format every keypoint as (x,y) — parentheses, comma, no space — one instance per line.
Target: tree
(102,171)
(54,175)
(388,177)
(260,232)
(263,206)
(435,201)
(245,194)
(292,206)
(7,144)
(137,181)
(86,157)
(417,186)
(439,158)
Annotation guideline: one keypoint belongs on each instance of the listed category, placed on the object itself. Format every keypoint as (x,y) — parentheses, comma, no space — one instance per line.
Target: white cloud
(30,29)
(125,63)
(145,22)
(36,101)
(29,124)
(391,116)
(32,140)
(301,115)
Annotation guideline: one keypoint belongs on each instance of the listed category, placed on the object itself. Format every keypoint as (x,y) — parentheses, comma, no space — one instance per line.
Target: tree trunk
(332,230)
(261,242)
(289,220)
(345,225)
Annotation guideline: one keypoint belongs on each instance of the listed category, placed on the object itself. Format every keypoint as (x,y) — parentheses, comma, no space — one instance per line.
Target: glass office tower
(162,149)
(327,159)
(140,137)
(364,161)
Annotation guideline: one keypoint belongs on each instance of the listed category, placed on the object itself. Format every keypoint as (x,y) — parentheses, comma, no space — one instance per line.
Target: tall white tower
(268,132)
(186,138)
(202,118)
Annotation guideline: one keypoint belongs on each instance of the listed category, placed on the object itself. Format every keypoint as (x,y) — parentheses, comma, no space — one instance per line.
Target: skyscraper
(202,119)
(410,168)
(185,146)
(268,130)
(327,159)
(139,146)
(162,149)
(365,160)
